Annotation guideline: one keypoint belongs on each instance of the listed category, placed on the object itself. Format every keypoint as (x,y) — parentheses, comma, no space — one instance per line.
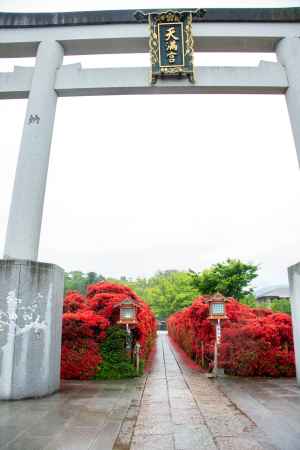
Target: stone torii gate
(31,293)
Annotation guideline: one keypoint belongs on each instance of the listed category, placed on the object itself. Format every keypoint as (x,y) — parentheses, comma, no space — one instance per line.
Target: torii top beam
(94,32)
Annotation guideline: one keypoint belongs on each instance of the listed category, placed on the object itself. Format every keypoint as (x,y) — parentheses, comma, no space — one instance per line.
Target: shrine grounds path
(181,409)
(174,407)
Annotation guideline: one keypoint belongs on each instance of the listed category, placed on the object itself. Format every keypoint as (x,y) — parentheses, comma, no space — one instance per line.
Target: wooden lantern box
(217,307)
(128,312)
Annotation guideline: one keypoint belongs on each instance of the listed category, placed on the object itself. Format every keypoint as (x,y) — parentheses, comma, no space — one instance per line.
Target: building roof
(126,16)
(274,291)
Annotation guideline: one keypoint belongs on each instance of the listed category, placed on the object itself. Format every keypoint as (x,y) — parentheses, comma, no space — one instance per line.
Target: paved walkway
(274,404)
(183,410)
(82,416)
(175,407)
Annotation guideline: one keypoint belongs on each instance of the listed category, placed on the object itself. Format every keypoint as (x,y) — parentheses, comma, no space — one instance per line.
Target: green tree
(281,305)
(278,305)
(78,281)
(249,300)
(231,278)
(93,277)
(168,292)
(75,281)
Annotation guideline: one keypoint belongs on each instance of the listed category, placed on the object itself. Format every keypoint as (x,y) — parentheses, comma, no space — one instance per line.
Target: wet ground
(182,409)
(273,404)
(173,407)
(83,415)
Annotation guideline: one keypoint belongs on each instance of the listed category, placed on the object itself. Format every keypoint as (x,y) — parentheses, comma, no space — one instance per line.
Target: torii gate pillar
(288,53)
(294,281)
(31,293)
(25,218)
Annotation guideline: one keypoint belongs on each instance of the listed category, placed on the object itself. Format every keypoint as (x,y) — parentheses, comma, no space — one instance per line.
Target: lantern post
(217,313)
(137,349)
(128,317)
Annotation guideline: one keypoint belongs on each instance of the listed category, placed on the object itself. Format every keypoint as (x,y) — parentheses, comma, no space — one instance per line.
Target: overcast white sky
(129,195)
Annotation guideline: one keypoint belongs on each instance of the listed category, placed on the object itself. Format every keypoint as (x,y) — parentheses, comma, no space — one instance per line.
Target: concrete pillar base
(31,302)
(294,281)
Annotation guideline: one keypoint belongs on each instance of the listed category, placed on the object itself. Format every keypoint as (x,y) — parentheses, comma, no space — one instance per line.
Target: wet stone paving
(182,409)
(173,407)
(82,416)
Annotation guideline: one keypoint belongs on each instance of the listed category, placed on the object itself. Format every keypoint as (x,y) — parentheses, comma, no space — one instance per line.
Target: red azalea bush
(85,321)
(255,342)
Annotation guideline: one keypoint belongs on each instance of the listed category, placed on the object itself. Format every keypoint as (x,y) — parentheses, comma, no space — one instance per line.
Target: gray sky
(127,194)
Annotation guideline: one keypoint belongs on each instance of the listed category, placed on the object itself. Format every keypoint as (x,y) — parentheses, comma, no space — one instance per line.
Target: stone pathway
(174,407)
(82,416)
(274,404)
(182,409)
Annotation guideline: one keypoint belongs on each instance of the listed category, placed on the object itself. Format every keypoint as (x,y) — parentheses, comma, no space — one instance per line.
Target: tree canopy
(165,292)
(231,278)
(78,281)
(169,291)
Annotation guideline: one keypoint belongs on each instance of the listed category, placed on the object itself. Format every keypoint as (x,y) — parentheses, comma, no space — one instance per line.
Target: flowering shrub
(86,320)
(255,342)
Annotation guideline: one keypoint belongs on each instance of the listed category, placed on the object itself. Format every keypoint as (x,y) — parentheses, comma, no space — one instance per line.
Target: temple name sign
(171,43)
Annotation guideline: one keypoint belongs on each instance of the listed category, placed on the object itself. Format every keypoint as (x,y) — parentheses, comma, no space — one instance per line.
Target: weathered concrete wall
(294,280)
(31,300)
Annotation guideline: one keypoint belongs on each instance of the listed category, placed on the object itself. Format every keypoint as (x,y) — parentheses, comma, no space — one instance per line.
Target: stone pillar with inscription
(25,218)
(30,328)
(31,293)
